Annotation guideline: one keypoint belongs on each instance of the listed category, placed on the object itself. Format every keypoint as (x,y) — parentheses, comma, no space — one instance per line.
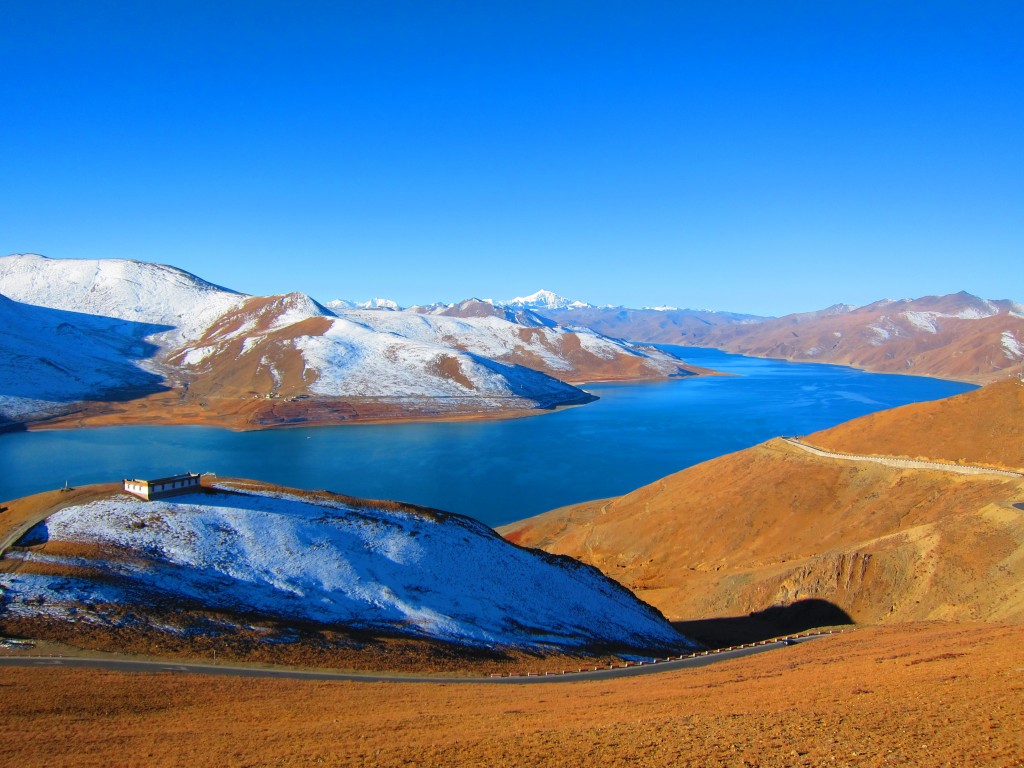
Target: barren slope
(923,695)
(653,326)
(984,426)
(773,525)
(958,336)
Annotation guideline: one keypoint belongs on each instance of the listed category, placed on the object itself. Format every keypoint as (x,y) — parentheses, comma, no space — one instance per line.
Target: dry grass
(772,525)
(245,412)
(921,695)
(985,426)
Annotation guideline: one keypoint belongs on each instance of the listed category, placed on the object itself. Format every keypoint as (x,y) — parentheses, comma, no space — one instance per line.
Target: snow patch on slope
(1011,346)
(924,321)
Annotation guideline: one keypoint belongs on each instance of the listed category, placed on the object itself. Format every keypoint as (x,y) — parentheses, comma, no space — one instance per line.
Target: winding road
(891,461)
(627,669)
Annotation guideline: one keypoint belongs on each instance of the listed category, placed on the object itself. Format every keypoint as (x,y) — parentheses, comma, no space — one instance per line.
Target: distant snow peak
(375,303)
(840,309)
(544,299)
(663,309)
(379,303)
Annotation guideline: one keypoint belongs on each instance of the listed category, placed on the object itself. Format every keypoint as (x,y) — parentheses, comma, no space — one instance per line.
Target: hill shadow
(762,625)
(58,356)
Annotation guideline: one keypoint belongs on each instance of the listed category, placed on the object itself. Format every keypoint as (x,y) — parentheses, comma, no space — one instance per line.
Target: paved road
(20,530)
(132,665)
(891,461)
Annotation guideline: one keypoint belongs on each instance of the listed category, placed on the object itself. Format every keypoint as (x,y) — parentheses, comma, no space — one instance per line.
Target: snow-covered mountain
(210,355)
(487,308)
(375,303)
(544,299)
(291,347)
(522,337)
(227,558)
(135,291)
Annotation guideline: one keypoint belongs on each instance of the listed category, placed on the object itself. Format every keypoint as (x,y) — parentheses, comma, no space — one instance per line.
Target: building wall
(148,490)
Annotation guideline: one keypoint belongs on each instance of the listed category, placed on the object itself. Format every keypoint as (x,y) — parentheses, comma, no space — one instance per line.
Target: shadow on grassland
(771,622)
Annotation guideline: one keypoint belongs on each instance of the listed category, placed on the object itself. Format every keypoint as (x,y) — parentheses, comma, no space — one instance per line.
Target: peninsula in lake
(91,342)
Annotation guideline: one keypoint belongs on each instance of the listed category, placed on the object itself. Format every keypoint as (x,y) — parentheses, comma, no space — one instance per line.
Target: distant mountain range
(957,336)
(376,303)
(116,341)
(543,299)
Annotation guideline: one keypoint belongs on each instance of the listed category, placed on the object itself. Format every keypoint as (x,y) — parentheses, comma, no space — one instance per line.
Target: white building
(165,486)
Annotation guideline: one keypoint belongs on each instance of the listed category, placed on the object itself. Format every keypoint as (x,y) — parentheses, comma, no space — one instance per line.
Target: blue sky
(765,157)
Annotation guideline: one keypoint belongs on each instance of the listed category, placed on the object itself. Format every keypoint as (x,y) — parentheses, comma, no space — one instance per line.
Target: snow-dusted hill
(235,557)
(136,291)
(487,308)
(208,354)
(50,358)
(525,338)
(289,346)
(219,350)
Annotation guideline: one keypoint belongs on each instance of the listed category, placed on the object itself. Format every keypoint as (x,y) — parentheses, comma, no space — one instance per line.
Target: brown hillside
(679,326)
(569,353)
(773,525)
(586,366)
(956,337)
(924,695)
(985,426)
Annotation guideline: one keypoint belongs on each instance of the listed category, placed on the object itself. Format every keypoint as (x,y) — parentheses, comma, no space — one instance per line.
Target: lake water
(496,471)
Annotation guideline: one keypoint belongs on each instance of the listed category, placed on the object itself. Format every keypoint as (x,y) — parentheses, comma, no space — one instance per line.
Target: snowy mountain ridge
(375,303)
(135,291)
(544,299)
(250,361)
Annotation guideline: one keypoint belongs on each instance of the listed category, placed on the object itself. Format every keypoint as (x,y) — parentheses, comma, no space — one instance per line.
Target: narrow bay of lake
(496,471)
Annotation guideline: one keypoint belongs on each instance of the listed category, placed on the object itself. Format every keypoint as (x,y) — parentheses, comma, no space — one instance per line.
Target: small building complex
(165,486)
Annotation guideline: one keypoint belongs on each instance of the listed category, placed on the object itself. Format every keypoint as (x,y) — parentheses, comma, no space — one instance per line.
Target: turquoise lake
(496,471)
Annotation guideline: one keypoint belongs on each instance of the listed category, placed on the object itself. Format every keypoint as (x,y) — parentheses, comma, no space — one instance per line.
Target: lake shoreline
(494,469)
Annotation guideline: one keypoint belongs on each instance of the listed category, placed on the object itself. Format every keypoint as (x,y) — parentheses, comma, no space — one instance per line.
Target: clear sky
(765,157)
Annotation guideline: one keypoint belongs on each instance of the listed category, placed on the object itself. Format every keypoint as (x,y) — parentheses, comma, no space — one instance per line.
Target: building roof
(172,478)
